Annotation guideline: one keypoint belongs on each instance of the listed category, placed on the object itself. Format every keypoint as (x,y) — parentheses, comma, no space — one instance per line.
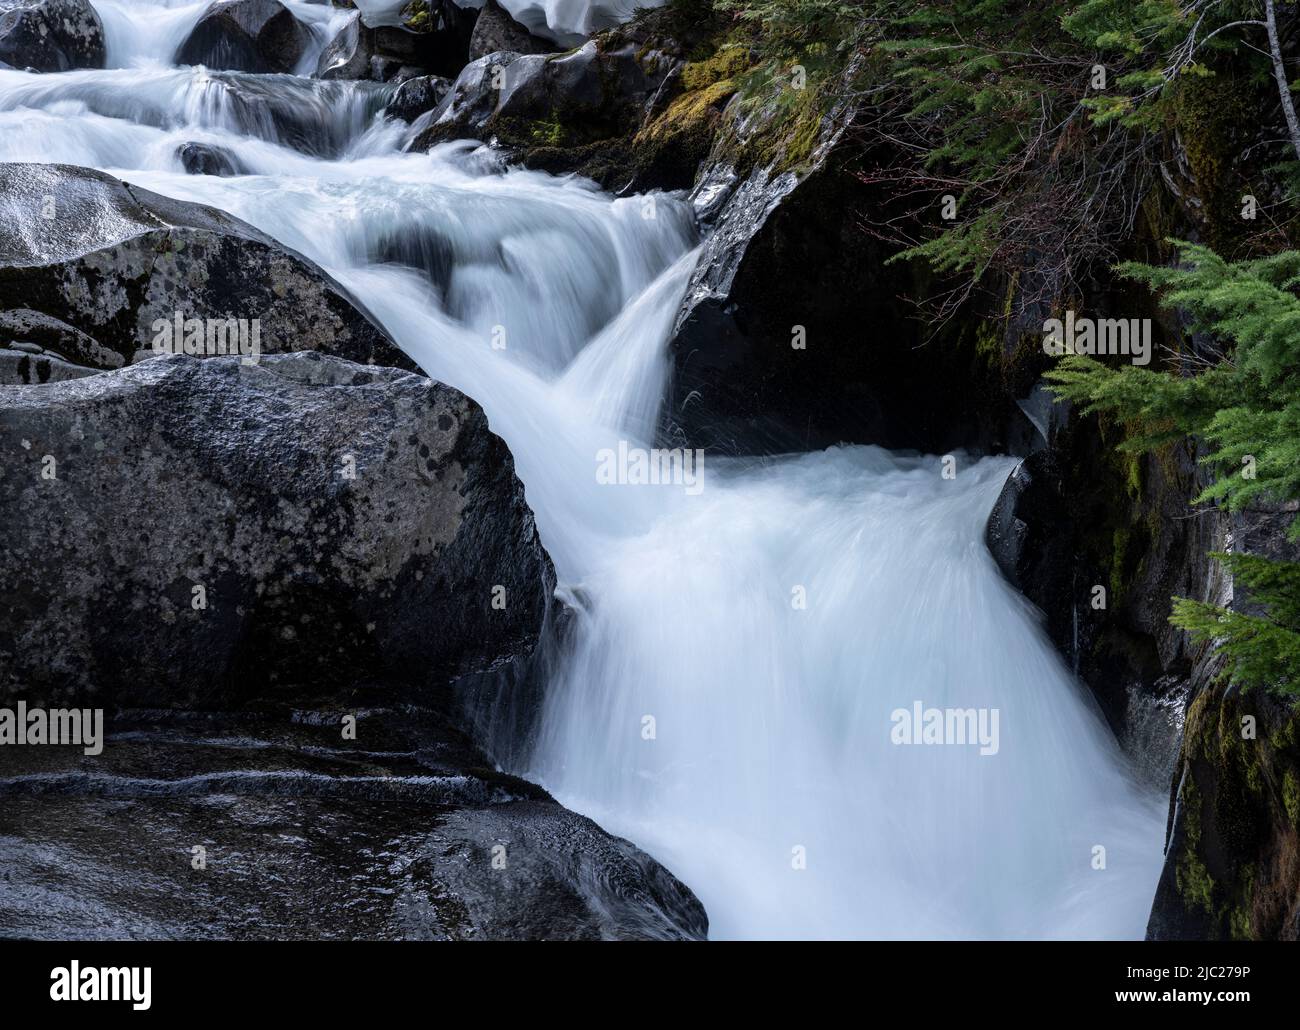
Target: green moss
(416,16)
(988,341)
(674,144)
(1121,537)
(1194,881)
(690,110)
(1291,796)
(1240,927)
(1133,475)
(729,62)
(1209,114)
(546,133)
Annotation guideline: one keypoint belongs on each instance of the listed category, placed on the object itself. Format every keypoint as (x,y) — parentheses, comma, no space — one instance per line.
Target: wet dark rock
(392,69)
(531,99)
(1007,531)
(415,96)
(50,35)
(297,112)
(393,52)
(1079,515)
(496,30)
(768,357)
(206,159)
(246,35)
(405,832)
(258,531)
(348,54)
(795,332)
(467,106)
(434,34)
(116,261)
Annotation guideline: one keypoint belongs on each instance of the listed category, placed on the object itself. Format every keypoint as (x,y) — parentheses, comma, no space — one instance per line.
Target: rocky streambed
(311,574)
(269,561)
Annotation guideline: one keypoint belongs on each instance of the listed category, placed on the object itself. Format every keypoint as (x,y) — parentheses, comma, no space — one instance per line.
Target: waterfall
(728,695)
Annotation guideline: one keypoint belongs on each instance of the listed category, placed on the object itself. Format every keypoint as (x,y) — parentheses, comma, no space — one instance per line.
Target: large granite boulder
(119,264)
(247,36)
(206,533)
(50,35)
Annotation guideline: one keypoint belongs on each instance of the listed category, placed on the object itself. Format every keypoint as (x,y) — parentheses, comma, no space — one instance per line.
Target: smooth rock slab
(307,836)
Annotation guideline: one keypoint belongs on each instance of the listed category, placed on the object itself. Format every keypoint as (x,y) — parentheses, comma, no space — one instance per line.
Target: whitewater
(725,692)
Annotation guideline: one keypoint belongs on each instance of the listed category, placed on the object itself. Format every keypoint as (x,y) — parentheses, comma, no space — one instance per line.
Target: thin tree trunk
(1279,73)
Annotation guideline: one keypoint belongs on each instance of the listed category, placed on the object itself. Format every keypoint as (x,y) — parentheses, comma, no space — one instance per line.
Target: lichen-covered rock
(205,533)
(114,261)
(496,30)
(24,326)
(246,35)
(50,35)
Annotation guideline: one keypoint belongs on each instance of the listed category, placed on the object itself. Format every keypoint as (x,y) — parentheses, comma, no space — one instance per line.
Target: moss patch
(416,16)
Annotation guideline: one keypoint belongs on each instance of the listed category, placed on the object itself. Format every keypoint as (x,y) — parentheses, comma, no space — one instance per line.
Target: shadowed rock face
(496,30)
(50,35)
(247,36)
(206,533)
(111,260)
(1232,853)
(436,38)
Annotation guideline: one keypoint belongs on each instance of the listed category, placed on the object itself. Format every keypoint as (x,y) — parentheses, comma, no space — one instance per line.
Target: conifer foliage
(1246,407)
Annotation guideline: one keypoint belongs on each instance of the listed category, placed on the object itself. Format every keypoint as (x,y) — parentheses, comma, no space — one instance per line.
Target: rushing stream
(769,624)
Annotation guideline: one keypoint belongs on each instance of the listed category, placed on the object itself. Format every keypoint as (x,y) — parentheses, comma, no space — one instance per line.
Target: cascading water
(770,625)
(559,19)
